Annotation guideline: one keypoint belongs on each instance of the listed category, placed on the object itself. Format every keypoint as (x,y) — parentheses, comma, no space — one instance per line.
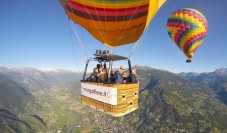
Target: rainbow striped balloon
(187,27)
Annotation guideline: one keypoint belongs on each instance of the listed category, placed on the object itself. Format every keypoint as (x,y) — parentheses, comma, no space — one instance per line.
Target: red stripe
(188,42)
(182,27)
(107,11)
(192,39)
(106,18)
(193,51)
(195,16)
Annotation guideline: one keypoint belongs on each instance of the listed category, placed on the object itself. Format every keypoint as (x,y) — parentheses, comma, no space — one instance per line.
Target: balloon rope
(137,43)
(105,17)
(116,29)
(73,48)
(91,19)
(103,35)
(129,20)
(78,38)
(122,21)
(77,35)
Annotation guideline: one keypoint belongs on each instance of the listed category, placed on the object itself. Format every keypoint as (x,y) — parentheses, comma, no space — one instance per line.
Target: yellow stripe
(173,31)
(119,33)
(190,53)
(113,33)
(198,13)
(190,35)
(192,32)
(112,4)
(154,5)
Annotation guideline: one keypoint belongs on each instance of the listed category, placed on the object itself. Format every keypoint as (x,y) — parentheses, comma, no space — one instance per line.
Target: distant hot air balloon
(113,22)
(187,28)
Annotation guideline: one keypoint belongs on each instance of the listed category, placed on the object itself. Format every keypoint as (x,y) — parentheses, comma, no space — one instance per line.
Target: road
(77,123)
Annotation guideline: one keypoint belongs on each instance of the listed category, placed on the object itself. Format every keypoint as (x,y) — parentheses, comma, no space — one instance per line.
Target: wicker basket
(127,99)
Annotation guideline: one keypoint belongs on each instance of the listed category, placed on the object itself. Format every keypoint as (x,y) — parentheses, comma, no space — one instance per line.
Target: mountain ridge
(32,77)
(13,96)
(216,80)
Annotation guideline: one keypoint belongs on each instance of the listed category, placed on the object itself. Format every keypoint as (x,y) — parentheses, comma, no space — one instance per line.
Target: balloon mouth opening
(189,60)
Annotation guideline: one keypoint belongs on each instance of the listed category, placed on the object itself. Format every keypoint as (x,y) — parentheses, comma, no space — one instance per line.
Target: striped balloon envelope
(187,28)
(113,22)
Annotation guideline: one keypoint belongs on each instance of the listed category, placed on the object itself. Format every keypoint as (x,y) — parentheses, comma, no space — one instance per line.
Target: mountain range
(12,95)
(36,79)
(168,102)
(216,80)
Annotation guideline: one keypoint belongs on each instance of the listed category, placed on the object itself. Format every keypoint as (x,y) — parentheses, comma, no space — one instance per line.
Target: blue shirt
(117,77)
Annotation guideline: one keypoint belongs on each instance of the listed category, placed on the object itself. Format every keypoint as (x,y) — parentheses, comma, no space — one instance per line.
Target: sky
(38,33)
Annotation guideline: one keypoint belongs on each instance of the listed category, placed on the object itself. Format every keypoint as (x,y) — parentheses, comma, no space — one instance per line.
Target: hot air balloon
(187,27)
(114,23)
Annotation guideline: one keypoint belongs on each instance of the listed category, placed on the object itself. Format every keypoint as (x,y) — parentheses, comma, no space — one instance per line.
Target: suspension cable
(74,54)
(137,43)
(122,21)
(129,20)
(78,38)
(93,20)
(105,17)
(104,35)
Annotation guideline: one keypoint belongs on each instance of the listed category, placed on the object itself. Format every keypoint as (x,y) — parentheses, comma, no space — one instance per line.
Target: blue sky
(37,33)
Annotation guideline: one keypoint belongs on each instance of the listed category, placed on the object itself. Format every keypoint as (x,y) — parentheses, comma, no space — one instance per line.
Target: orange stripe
(113,33)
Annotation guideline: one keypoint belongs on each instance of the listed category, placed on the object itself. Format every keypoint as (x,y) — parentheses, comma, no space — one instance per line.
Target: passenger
(118,75)
(103,75)
(101,69)
(132,76)
(98,66)
(125,76)
(94,76)
(104,65)
(99,73)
